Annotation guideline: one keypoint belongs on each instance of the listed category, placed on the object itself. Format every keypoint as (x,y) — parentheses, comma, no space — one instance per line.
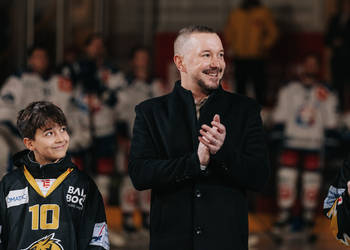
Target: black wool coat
(193,209)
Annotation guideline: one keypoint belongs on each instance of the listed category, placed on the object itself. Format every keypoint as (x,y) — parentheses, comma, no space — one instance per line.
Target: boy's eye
(48,133)
(63,129)
(206,55)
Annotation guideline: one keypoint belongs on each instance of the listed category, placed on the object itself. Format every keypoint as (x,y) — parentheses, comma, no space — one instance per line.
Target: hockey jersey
(305,112)
(102,83)
(54,206)
(337,205)
(104,119)
(136,92)
(19,91)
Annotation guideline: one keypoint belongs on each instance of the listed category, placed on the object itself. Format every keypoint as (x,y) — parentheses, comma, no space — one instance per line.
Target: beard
(206,89)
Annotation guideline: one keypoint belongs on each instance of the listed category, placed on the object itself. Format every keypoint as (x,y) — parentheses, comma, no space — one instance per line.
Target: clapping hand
(213,137)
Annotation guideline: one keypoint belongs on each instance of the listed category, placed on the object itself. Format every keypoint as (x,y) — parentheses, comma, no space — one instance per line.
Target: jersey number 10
(48,218)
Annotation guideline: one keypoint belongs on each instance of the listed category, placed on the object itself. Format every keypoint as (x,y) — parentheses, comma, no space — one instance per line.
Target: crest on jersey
(306,116)
(48,242)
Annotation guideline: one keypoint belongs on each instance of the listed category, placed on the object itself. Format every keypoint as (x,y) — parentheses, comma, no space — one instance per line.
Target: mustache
(213,70)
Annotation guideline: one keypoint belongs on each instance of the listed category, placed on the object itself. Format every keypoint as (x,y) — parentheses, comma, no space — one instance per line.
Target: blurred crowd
(308,128)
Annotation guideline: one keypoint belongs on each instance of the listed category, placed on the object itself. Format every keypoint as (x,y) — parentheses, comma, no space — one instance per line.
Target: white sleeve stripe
(333,194)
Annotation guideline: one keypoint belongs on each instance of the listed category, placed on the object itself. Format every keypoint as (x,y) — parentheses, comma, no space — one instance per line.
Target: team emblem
(48,242)
(306,116)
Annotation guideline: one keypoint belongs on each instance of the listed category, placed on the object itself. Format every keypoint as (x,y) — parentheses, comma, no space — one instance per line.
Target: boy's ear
(28,143)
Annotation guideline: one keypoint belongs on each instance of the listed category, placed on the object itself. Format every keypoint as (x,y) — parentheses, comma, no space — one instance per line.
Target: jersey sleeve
(281,111)
(10,99)
(93,231)
(329,111)
(337,205)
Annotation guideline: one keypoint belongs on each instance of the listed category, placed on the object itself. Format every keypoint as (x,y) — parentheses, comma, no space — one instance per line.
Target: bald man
(199,149)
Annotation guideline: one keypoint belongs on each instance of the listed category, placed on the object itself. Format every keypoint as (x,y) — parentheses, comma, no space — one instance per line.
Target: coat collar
(48,171)
(214,104)
(184,126)
(184,93)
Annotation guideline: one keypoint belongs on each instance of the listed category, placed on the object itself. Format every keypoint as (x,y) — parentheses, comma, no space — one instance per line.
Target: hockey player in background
(99,83)
(141,86)
(304,116)
(47,203)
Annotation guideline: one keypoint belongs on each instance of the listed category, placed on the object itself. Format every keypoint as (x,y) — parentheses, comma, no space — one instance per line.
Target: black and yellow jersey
(69,214)
(337,205)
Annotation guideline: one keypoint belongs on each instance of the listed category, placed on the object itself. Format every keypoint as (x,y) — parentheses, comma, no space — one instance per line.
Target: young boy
(47,203)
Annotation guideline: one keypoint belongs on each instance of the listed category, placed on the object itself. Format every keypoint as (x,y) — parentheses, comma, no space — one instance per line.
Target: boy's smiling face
(49,144)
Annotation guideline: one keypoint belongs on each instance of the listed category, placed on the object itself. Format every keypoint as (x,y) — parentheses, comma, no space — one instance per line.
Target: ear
(178,60)
(29,143)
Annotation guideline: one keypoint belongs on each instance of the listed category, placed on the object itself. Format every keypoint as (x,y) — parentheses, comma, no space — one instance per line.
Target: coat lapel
(183,127)
(216,104)
(182,122)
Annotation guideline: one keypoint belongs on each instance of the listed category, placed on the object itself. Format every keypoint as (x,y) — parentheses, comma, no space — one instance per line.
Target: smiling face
(49,144)
(201,62)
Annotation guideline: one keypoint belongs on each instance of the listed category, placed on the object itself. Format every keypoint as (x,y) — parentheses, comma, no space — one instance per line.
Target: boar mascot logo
(48,242)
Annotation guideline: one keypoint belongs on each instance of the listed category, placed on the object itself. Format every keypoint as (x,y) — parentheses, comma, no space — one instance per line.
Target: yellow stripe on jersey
(333,210)
(332,213)
(35,186)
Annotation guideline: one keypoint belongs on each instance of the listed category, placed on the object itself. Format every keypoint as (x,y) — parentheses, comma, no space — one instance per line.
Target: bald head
(184,35)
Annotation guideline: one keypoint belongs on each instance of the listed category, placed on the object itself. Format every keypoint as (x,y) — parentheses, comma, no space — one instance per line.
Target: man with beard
(199,149)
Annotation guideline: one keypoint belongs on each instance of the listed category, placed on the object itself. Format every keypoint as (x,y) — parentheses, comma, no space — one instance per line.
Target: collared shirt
(199,104)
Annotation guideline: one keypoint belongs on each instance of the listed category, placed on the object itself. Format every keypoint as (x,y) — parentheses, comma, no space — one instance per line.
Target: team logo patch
(75,197)
(17,197)
(45,184)
(100,236)
(306,116)
(46,243)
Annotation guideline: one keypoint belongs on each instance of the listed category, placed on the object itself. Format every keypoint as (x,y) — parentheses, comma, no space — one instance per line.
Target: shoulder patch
(17,197)
(100,236)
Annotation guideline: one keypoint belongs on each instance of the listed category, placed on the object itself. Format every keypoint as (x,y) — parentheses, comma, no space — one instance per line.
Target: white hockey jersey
(305,112)
(104,118)
(18,92)
(132,95)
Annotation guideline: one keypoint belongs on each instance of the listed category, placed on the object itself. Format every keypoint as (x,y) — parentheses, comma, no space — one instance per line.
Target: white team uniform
(128,98)
(306,112)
